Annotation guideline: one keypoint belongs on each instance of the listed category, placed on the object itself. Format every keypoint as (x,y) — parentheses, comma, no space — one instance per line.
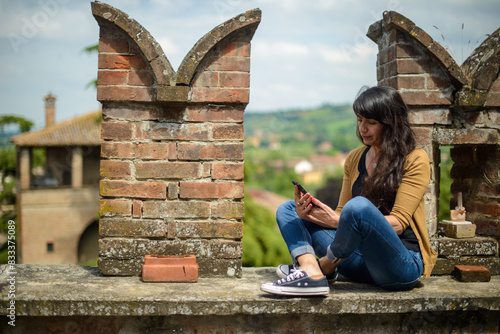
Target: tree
(8,180)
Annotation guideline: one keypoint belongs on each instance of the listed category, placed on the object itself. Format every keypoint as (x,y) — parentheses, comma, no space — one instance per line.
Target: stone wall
(451,105)
(172,150)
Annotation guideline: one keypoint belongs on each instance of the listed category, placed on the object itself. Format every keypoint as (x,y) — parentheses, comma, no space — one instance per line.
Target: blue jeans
(370,249)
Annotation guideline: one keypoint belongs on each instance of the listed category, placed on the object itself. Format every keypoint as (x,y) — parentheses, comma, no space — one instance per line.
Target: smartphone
(302,190)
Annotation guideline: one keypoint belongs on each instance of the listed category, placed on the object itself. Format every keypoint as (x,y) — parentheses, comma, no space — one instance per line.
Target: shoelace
(293,276)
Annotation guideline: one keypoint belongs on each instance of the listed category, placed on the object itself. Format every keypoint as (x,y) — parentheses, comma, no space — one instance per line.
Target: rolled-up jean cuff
(331,256)
(301,251)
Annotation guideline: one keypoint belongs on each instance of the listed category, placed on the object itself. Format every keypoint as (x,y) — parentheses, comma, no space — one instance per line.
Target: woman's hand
(314,210)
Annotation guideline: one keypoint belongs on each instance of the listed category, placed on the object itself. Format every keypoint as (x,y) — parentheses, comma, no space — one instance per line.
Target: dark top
(408,237)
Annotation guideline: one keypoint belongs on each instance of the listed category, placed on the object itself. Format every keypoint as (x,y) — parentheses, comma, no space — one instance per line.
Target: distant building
(57,212)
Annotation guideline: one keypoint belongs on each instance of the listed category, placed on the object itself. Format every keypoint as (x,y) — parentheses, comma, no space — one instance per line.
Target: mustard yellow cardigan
(409,206)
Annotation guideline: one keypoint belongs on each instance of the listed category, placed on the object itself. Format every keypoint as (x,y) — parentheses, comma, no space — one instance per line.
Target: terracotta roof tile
(84,130)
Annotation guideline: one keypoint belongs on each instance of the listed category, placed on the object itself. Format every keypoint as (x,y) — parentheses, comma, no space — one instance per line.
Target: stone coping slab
(71,290)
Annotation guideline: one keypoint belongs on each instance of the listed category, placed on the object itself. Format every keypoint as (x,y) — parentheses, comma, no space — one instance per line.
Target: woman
(378,233)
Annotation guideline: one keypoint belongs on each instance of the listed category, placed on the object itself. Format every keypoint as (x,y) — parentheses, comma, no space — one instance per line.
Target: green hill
(299,133)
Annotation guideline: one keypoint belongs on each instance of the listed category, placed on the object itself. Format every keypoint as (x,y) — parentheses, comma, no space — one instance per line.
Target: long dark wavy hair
(386,106)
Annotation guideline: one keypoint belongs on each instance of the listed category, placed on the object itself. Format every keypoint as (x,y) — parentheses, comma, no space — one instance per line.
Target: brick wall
(450,105)
(172,150)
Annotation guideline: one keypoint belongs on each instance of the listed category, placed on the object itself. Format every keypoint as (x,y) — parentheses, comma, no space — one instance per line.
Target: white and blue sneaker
(298,283)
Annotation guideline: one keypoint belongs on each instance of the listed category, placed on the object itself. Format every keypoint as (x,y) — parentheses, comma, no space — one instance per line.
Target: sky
(304,53)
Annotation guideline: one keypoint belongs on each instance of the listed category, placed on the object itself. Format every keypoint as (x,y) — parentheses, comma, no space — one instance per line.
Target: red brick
(220,95)
(437,82)
(112,207)
(112,77)
(127,227)
(236,49)
(170,269)
(467,136)
(173,190)
(223,249)
(141,78)
(212,113)
(236,64)
(465,273)
(113,45)
(424,97)
(430,116)
(176,209)
(211,189)
(493,99)
(117,150)
(491,208)
(410,66)
(125,93)
(410,82)
(407,51)
(210,151)
(115,169)
(227,230)
(487,226)
(228,210)
(172,151)
(207,79)
(177,131)
(136,208)
(116,131)
(235,79)
(133,189)
(151,150)
(136,113)
(124,62)
(227,132)
(168,170)
(423,135)
(227,171)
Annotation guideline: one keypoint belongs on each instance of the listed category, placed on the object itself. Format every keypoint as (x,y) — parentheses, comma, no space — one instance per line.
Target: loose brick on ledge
(168,268)
(133,189)
(210,151)
(211,190)
(176,209)
(127,227)
(114,207)
(472,273)
(227,171)
(197,229)
(167,170)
